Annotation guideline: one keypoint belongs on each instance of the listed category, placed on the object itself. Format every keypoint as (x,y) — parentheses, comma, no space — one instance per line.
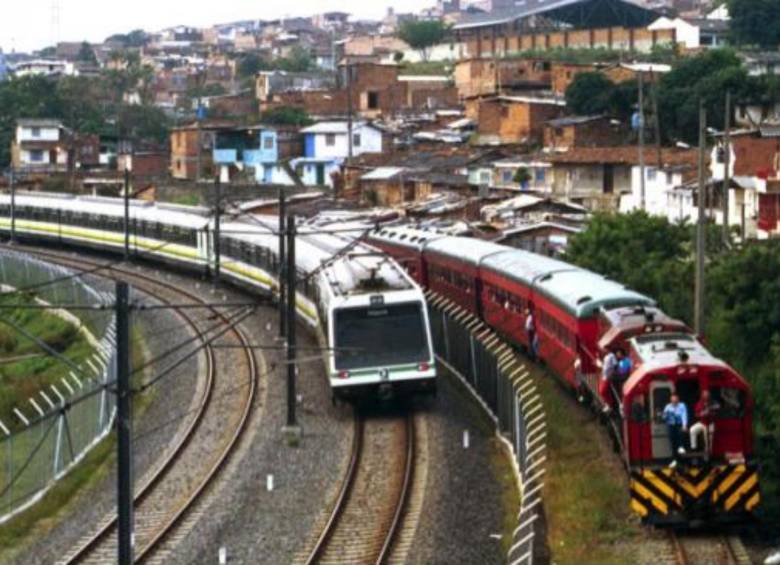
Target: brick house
(192,150)
(475,77)
(584,131)
(393,186)
(516,119)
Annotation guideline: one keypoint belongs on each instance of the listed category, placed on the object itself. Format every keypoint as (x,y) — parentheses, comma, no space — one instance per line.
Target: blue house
(255,147)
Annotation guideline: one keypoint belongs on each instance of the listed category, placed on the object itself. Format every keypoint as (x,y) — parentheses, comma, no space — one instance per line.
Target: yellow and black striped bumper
(714,493)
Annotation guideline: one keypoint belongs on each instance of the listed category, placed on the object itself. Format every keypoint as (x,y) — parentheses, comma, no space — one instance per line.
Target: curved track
(200,453)
(368,513)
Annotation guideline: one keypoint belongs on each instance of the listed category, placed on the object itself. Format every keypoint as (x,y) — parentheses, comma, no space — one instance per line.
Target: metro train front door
(660,393)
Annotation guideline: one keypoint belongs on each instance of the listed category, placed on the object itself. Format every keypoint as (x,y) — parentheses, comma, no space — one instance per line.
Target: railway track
(182,477)
(707,549)
(366,520)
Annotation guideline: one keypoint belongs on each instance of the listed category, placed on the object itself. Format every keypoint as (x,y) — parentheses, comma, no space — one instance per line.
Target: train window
(730,402)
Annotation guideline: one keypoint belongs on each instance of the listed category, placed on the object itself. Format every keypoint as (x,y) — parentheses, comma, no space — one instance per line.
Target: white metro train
(372,316)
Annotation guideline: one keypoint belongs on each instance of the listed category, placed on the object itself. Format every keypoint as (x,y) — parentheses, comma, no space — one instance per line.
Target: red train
(579,316)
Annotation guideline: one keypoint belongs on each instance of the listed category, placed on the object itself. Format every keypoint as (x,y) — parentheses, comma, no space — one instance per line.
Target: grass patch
(429,68)
(190,199)
(73,489)
(34,370)
(586,488)
(510,497)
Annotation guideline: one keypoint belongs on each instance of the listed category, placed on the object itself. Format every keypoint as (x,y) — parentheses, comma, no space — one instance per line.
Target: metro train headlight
(343,374)
(422,367)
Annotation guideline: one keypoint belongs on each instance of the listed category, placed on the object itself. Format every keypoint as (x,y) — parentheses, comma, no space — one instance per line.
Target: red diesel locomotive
(580,316)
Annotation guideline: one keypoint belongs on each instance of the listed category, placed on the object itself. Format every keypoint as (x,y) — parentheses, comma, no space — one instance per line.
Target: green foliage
(298,60)
(522,176)
(589,93)
(645,252)
(707,77)
(84,104)
(755,22)
(286,115)
(86,54)
(422,34)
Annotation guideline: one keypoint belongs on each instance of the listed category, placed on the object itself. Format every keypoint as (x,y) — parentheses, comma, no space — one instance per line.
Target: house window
(36,156)
(356,140)
(651,174)
(669,178)
(540,176)
(504,111)
(373,100)
(484,177)
(330,139)
(35,132)
(507,176)
(268,143)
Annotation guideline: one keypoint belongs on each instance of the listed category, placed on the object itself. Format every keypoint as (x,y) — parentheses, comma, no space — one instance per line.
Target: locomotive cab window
(730,402)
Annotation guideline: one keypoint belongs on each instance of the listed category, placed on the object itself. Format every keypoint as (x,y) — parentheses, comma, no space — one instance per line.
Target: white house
(694,33)
(45,67)
(658,184)
(330,140)
(39,144)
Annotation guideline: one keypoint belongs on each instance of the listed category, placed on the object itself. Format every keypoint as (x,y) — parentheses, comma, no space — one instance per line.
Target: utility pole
(124,427)
(657,122)
(701,226)
(127,214)
(642,195)
(726,168)
(349,112)
(217,228)
(13,206)
(292,421)
(282,260)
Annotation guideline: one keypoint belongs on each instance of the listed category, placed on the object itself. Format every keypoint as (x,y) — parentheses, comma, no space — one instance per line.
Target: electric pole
(127,214)
(124,427)
(282,260)
(349,112)
(291,326)
(13,206)
(656,122)
(217,227)
(726,168)
(641,142)
(701,227)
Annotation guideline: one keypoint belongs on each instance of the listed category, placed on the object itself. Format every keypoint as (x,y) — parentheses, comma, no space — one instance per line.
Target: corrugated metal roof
(382,173)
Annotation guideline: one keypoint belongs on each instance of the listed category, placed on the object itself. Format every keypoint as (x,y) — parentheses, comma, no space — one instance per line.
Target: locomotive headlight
(681,370)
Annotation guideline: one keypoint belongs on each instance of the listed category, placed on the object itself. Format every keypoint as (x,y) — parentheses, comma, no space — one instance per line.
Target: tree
(86,54)
(286,115)
(755,22)
(707,77)
(589,93)
(250,64)
(645,252)
(422,35)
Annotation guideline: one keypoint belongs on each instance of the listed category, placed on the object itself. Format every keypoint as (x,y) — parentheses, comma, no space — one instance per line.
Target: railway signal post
(282,260)
(292,427)
(124,427)
(701,227)
(217,227)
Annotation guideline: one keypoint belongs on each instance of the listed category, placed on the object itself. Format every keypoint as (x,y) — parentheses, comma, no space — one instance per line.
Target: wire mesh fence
(54,427)
(496,375)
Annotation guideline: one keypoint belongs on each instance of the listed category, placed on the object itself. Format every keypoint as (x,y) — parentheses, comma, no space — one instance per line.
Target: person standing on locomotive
(530,330)
(704,410)
(608,370)
(675,415)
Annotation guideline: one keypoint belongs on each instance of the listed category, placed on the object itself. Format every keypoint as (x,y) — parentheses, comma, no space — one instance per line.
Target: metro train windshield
(391,334)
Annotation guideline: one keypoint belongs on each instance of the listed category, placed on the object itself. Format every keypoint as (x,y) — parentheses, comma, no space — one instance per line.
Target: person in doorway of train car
(608,371)
(530,330)
(675,415)
(704,410)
